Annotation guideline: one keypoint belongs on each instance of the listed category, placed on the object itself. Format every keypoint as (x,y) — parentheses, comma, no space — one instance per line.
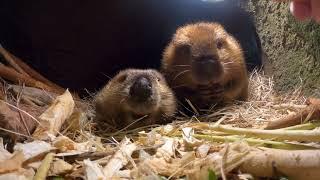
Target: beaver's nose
(206,69)
(141,89)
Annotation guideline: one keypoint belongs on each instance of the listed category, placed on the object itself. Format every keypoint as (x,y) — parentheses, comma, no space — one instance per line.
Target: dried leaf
(168,129)
(143,155)
(236,154)
(10,119)
(124,174)
(21,174)
(59,167)
(53,118)
(167,151)
(93,171)
(161,167)
(189,140)
(64,144)
(151,139)
(87,146)
(68,147)
(4,154)
(202,150)
(12,164)
(33,149)
(245,177)
(120,158)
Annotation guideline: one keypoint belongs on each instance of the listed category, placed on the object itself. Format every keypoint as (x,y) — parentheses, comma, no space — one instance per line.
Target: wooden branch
(33,94)
(86,155)
(277,135)
(25,69)
(299,164)
(309,113)
(8,57)
(14,76)
(37,76)
(23,72)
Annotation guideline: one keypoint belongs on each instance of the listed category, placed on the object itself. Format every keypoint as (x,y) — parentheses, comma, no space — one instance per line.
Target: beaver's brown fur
(131,95)
(206,65)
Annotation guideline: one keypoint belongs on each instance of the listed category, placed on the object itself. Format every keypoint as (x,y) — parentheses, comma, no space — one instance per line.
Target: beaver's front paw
(211,93)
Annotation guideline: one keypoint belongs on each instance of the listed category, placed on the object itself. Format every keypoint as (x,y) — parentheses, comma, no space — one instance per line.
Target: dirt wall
(292,48)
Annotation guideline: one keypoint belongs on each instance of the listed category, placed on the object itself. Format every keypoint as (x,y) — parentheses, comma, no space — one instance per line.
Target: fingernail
(291,7)
(300,11)
(317,19)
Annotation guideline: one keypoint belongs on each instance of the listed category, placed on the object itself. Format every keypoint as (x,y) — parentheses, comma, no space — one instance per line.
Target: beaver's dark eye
(158,78)
(183,49)
(122,78)
(219,44)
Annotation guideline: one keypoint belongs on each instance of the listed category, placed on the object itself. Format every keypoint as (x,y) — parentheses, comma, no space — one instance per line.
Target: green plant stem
(44,167)
(291,135)
(252,141)
(306,126)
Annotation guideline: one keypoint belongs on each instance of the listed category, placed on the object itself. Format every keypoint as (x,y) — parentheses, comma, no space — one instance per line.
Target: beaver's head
(201,54)
(142,92)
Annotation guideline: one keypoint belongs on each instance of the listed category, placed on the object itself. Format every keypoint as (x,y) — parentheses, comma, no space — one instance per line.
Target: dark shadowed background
(78,43)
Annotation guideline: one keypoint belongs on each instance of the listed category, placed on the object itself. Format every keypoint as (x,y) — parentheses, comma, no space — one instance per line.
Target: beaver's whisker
(109,77)
(181,73)
(182,65)
(182,68)
(122,100)
(227,63)
(181,85)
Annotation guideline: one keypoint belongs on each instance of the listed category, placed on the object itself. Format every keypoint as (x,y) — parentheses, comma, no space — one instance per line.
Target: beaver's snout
(207,69)
(141,89)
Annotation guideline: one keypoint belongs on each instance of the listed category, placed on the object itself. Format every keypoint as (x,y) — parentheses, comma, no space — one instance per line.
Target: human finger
(315,9)
(300,10)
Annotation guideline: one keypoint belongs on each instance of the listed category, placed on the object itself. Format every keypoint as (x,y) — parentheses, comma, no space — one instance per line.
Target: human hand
(305,9)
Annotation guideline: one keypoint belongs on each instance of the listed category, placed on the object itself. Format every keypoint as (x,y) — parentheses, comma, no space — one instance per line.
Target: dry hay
(184,148)
(263,105)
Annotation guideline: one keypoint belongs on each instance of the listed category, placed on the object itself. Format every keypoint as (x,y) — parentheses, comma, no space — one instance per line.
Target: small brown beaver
(134,94)
(205,64)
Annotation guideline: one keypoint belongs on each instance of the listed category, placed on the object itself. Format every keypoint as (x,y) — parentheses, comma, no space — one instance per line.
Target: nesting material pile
(229,143)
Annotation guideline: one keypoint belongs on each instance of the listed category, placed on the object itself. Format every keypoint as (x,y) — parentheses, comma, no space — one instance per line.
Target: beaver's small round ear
(220,43)
(182,44)
(122,77)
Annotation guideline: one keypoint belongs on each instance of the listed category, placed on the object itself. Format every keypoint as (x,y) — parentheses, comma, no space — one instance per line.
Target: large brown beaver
(134,95)
(206,65)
